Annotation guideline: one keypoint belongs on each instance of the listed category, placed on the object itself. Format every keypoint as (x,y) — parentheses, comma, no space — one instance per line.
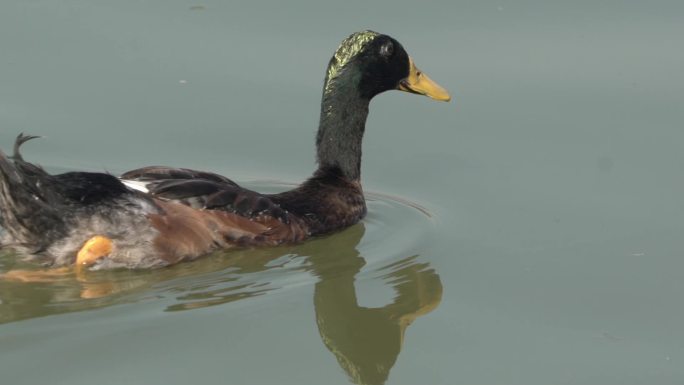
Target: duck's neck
(343,120)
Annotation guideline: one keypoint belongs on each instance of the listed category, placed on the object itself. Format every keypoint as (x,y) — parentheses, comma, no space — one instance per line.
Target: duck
(158,216)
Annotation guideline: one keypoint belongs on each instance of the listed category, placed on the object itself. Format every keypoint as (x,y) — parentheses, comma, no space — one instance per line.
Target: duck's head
(373,63)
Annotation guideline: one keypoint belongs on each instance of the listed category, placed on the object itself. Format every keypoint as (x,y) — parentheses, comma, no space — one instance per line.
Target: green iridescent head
(349,48)
(373,63)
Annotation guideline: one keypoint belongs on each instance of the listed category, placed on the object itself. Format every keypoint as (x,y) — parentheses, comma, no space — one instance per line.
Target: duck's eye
(387,49)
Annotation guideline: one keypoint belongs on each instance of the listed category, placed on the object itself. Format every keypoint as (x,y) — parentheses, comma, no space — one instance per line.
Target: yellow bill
(419,83)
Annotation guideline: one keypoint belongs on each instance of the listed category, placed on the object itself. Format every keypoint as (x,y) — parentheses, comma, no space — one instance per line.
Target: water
(527,233)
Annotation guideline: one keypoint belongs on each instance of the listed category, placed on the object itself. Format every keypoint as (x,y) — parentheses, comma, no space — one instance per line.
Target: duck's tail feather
(29,210)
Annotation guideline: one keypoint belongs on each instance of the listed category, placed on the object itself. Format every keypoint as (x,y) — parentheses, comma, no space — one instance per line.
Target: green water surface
(529,232)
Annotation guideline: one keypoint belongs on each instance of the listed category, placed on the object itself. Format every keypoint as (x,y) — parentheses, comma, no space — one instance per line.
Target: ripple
(394,232)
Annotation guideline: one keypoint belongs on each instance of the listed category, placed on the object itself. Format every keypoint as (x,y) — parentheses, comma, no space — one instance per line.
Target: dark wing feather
(154,173)
(205,190)
(183,188)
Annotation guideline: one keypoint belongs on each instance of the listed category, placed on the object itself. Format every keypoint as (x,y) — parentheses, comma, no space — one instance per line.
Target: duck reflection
(366,341)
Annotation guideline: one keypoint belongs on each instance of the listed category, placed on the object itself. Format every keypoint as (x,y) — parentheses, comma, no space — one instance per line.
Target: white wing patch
(135,185)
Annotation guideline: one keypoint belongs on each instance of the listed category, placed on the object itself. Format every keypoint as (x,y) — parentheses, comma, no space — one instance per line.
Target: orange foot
(51,275)
(95,248)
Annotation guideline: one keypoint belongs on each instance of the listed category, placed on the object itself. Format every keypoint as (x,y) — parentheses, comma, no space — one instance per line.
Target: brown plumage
(186,233)
(156,216)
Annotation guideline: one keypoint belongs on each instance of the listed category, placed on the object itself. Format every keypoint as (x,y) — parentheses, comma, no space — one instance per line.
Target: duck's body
(156,216)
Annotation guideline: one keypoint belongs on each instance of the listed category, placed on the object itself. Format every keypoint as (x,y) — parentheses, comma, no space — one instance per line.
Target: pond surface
(529,232)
